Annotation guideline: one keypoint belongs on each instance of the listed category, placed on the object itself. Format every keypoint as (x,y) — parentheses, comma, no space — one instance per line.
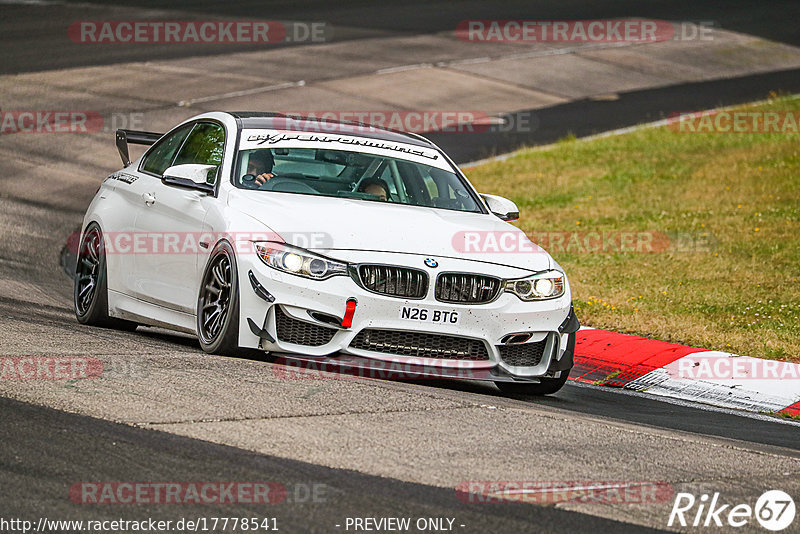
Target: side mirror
(501,207)
(191,176)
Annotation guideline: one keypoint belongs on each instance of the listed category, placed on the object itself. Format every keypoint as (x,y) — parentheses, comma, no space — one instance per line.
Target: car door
(171,223)
(133,187)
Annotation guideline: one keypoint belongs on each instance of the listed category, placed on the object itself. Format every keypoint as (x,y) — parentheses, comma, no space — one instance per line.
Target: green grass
(724,210)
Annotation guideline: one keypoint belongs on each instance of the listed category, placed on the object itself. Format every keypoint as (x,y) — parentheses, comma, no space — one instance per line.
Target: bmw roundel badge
(430,262)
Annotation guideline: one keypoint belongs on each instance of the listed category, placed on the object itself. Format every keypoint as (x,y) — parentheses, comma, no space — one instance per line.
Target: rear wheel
(218,303)
(546,386)
(90,296)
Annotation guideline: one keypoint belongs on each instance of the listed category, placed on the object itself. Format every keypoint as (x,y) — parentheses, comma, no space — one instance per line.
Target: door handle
(149,198)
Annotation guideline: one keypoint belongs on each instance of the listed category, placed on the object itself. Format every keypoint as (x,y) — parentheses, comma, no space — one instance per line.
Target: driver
(260,165)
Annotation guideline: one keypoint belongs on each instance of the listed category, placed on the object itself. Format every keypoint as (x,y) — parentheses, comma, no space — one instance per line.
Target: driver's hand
(261,179)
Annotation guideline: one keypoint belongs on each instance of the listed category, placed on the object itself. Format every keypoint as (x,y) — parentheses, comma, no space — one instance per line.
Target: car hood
(326,224)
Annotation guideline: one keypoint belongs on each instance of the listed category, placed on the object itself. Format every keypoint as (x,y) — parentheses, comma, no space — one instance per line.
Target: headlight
(542,286)
(297,261)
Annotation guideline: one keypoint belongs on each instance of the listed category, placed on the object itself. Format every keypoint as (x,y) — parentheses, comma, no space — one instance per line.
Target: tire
(547,386)
(90,294)
(218,303)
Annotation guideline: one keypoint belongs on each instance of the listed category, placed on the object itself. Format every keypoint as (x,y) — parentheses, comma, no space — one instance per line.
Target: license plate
(426,315)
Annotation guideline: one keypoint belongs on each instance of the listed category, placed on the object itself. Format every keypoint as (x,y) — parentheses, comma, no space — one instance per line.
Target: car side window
(204,146)
(157,160)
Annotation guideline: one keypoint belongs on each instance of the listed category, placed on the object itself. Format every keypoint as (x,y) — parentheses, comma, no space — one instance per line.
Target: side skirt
(125,307)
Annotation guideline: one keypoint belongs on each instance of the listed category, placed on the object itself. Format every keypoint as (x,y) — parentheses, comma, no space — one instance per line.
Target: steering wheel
(287,185)
(249,181)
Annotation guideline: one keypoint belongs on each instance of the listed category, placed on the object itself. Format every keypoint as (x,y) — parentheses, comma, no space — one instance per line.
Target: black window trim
(159,143)
(193,124)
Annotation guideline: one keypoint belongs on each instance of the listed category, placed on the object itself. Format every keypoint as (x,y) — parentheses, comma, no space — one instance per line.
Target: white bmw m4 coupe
(326,242)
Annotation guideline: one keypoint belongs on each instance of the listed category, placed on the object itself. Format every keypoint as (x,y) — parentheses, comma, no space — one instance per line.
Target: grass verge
(721,215)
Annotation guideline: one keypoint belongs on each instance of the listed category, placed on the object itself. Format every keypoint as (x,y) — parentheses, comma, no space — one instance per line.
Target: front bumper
(319,306)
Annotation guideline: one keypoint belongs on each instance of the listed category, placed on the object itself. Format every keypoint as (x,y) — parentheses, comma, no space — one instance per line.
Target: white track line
(245,92)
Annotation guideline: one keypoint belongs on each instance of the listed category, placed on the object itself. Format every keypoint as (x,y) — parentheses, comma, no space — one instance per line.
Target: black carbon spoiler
(124,137)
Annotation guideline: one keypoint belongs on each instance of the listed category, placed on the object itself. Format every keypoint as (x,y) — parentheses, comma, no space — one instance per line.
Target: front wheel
(218,303)
(546,386)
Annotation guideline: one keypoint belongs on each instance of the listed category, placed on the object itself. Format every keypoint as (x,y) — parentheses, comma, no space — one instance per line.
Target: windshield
(347,174)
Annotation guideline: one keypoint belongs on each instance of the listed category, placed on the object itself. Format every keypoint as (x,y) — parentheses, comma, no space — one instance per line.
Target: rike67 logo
(774,510)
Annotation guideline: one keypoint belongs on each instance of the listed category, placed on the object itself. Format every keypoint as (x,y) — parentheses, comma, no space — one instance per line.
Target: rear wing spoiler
(125,137)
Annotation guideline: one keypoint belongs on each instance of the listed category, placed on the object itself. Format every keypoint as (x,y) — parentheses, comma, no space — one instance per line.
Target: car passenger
(376,187)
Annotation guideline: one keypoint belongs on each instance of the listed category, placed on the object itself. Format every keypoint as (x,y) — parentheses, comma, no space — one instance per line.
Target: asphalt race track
(165,411)
(58,442)
(28,33)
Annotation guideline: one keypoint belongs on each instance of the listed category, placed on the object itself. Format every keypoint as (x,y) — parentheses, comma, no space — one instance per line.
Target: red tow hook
(349,311)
